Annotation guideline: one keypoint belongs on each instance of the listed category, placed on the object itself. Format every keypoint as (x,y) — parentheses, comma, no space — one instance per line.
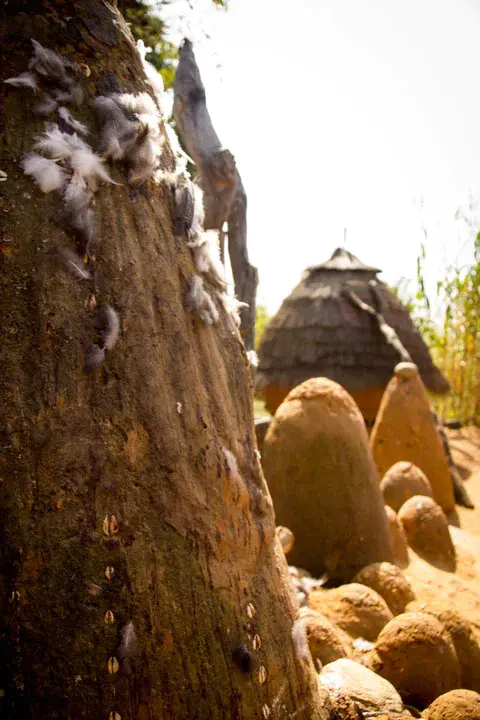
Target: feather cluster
(81,170)
(49,74)
(206,255)
(189,216)
(130,131)
(68,119)
(200,301)
(107,324)
(46,173)
(299,638)
(164,103)
(65,162)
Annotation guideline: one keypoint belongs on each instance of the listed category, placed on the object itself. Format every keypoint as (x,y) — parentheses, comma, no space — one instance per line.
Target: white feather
(74,94)
(128,645)
(143,155)
(164,102)
(201,302)
(154,77)
(74,263)
(198,211)
(252,358)
(118,132)
(206,254)
(67,117)
(25,79)
(141,104)
(299,637)
(87,167)
(232,306)
(109,326)
(76,195)
(232,465)
(46,173)
(45,106)
(57,144)
(47,63)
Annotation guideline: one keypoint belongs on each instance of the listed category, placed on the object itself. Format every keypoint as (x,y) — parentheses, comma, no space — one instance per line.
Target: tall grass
(455,343)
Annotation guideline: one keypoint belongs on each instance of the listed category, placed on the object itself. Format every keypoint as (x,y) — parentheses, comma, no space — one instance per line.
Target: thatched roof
(318,331)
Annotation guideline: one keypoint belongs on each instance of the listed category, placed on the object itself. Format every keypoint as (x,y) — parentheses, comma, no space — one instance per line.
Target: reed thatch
(320,331)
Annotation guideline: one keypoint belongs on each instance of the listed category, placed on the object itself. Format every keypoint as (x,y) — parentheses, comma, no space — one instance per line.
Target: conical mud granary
(320,331)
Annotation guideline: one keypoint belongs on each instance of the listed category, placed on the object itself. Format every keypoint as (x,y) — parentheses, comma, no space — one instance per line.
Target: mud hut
(330,326)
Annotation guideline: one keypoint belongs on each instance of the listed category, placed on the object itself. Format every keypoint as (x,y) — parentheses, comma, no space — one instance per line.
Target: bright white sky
(343,113)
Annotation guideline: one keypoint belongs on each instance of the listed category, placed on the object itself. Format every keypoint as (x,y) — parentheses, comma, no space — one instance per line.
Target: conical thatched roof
(318,331)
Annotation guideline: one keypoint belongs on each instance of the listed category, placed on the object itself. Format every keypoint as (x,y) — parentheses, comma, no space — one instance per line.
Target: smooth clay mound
(323,482)
(326,641)
(416,654)
(389,582)
(466,646)
(426,528)
(454,705)
(405,430)
(355,608)
(401,482)
(369,692)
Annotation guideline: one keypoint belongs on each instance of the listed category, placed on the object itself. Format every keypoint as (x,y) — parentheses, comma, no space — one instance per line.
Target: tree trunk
(224,195)
(119,500)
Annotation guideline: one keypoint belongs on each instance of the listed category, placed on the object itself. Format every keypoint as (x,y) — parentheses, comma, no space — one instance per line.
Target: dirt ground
(434,586)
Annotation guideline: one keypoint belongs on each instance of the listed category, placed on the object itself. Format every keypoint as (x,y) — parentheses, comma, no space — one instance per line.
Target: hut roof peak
(343,260)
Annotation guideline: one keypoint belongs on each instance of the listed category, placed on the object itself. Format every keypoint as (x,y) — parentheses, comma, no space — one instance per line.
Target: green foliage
(146,24)
(455,343)
(261,320)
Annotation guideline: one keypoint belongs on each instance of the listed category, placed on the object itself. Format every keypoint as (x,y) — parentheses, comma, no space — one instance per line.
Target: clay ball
(389,582)
(405,370)
(455,705)
(286,537)
(401,482)
(466,645)
(326,641)
(426,528)
(416,654)
(355,608)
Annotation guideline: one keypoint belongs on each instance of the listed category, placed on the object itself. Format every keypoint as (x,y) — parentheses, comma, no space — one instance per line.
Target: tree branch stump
(224,195)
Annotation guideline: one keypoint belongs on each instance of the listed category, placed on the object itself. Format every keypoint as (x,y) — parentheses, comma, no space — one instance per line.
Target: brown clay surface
(324,483)
(401,482)
(405,430)
(390,583)
(427,531)
(355,608)
(417,655)
(326,641)
(455,705)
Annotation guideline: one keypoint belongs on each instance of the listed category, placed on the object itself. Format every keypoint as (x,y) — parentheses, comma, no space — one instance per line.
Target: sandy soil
(434,586)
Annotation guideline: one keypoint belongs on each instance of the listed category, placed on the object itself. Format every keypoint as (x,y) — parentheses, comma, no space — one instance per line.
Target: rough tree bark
(189,556)
(224,194)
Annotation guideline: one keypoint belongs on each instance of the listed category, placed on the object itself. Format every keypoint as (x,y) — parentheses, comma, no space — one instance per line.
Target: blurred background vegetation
(147,24)
(454,342)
